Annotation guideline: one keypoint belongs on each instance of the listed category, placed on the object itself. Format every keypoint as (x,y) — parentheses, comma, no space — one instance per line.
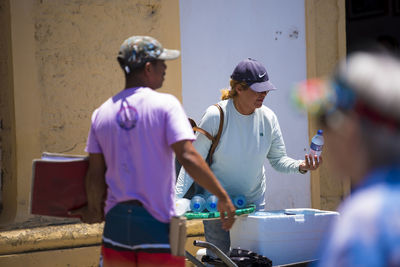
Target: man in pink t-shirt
(131,146)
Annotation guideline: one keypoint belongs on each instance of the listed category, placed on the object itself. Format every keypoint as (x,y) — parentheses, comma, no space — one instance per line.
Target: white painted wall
(215,36)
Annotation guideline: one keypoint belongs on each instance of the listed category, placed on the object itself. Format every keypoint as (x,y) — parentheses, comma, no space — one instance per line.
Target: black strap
(195,188)
(218,136)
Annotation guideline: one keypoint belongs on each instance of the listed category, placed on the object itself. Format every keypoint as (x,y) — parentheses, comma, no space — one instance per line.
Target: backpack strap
(214,140)
(195,188)
(200,130)
(218,136)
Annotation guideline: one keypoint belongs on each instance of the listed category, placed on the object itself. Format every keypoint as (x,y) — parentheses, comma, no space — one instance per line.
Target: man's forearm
(198,169)
(95,182)
(95,191)
(195,165)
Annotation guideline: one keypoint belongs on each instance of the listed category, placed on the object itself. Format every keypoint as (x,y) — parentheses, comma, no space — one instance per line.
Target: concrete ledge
(51,237)
(73,257)
(194,228)
(64,236)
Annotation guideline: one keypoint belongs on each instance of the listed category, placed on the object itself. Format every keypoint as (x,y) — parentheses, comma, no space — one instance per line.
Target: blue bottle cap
(320,132)
(240,202)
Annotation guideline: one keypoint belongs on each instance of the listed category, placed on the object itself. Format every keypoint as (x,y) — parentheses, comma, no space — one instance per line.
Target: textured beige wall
(326,45)
(58,64)
(27,102)
(63,65)
(7,120)
(76,48)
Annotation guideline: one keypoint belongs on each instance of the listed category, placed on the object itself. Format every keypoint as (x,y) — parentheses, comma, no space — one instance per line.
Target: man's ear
(148,67)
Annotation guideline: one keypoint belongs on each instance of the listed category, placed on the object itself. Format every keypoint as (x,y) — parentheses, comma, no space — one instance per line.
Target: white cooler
(284,236)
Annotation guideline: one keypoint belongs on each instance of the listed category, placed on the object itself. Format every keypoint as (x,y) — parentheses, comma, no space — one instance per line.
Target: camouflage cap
(137,50)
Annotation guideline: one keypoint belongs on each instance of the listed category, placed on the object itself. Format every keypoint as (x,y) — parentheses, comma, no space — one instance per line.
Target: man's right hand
(198,169)
(227,212)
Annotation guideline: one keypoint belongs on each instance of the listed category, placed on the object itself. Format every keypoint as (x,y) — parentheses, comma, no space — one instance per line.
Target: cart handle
(216,250)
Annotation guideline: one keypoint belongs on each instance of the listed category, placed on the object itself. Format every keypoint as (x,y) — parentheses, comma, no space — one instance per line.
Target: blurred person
(131,146)
(251,134)
(361,122)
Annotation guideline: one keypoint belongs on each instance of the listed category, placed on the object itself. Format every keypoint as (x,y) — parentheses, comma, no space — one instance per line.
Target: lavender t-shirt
(134,130)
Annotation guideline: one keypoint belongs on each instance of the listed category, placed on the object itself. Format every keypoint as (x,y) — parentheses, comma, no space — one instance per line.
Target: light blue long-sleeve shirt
(246,141)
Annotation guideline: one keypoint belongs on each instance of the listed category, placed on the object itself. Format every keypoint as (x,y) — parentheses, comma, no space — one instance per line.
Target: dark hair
(133,70)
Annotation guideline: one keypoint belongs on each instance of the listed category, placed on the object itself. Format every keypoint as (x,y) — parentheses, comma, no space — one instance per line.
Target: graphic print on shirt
(127,116)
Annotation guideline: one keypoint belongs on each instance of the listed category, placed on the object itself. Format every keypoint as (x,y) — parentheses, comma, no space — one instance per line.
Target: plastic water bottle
(212,202)
(198,203)
(240,202)
(317,142)
(182,205)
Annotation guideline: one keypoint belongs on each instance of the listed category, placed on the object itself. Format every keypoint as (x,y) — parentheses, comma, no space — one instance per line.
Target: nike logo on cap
(262,75)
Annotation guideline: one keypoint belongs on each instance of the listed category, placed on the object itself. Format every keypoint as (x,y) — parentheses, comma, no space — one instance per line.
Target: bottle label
(315,147)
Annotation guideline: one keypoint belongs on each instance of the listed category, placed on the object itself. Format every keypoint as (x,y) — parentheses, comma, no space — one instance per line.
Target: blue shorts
(133,237)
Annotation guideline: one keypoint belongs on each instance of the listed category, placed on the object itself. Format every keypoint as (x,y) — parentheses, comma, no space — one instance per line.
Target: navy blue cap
(254,74)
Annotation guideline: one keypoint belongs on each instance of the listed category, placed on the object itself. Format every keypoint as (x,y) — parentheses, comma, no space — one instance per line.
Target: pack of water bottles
(201,204)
